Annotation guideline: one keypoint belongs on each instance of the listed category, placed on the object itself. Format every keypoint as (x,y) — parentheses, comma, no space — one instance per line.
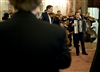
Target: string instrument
(90,35)
(68,40)
(58,15)
(64,17)
(73,16)
(91,18)
(66,22)
(52,15)
(67,32)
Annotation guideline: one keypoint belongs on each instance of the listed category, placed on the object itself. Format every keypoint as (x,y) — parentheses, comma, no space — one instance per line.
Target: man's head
(25,5)
(49,8)
(77,14)
(72,13)
(10,10)
(80,11)
(87,14)
(61,23)
(58,12)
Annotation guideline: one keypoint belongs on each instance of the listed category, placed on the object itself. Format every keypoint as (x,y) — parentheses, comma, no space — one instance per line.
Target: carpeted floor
(81,63)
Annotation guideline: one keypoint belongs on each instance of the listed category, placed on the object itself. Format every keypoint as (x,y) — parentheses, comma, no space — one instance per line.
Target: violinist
(59,17)
(58,13)
(70,18)
(45,15)
(89,18)
(81,15)
(90,30)
(64,26)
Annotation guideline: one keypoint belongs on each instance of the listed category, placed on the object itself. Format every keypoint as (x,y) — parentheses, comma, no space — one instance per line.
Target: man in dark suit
(31,44)
(45,15)
(78,35)
(87,17)
(70,18)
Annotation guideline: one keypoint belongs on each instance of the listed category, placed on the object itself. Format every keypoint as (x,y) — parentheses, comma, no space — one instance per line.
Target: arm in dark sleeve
(99,20)
(56,21)
(65,56)
(70,25)
(42,16)
(92,21)
(69,29)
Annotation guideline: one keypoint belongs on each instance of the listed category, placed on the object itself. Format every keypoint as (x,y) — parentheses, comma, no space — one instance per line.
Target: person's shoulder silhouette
(96,60)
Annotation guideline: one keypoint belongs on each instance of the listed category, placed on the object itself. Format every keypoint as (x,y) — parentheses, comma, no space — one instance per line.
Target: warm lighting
(57,5)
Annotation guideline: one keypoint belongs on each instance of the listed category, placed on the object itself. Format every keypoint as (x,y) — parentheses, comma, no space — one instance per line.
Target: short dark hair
(87,13)
(58,11)
(76,13)
(71,11)
(61,22)
(48,7)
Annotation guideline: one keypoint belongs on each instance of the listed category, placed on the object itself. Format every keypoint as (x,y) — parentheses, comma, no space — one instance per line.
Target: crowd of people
(31,44)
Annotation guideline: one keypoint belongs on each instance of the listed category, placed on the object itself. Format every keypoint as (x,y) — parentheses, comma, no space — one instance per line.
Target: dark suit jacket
(95,66)
(44,17)
(70,24)
(27,42)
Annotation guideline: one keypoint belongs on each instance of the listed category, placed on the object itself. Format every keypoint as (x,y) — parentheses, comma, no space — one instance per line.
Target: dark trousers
(79,37)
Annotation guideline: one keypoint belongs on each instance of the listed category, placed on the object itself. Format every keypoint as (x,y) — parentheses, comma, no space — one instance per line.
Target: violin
(58,15)
(68,40)
(73,16)
(91,18)
(52,15)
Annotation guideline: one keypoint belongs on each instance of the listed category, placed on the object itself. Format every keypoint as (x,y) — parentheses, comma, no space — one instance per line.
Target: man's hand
(87,26)
(74,24)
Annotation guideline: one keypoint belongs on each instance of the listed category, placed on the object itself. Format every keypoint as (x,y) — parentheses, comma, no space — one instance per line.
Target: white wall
(57,5)
(3,7)
(84,6)
(74,6)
